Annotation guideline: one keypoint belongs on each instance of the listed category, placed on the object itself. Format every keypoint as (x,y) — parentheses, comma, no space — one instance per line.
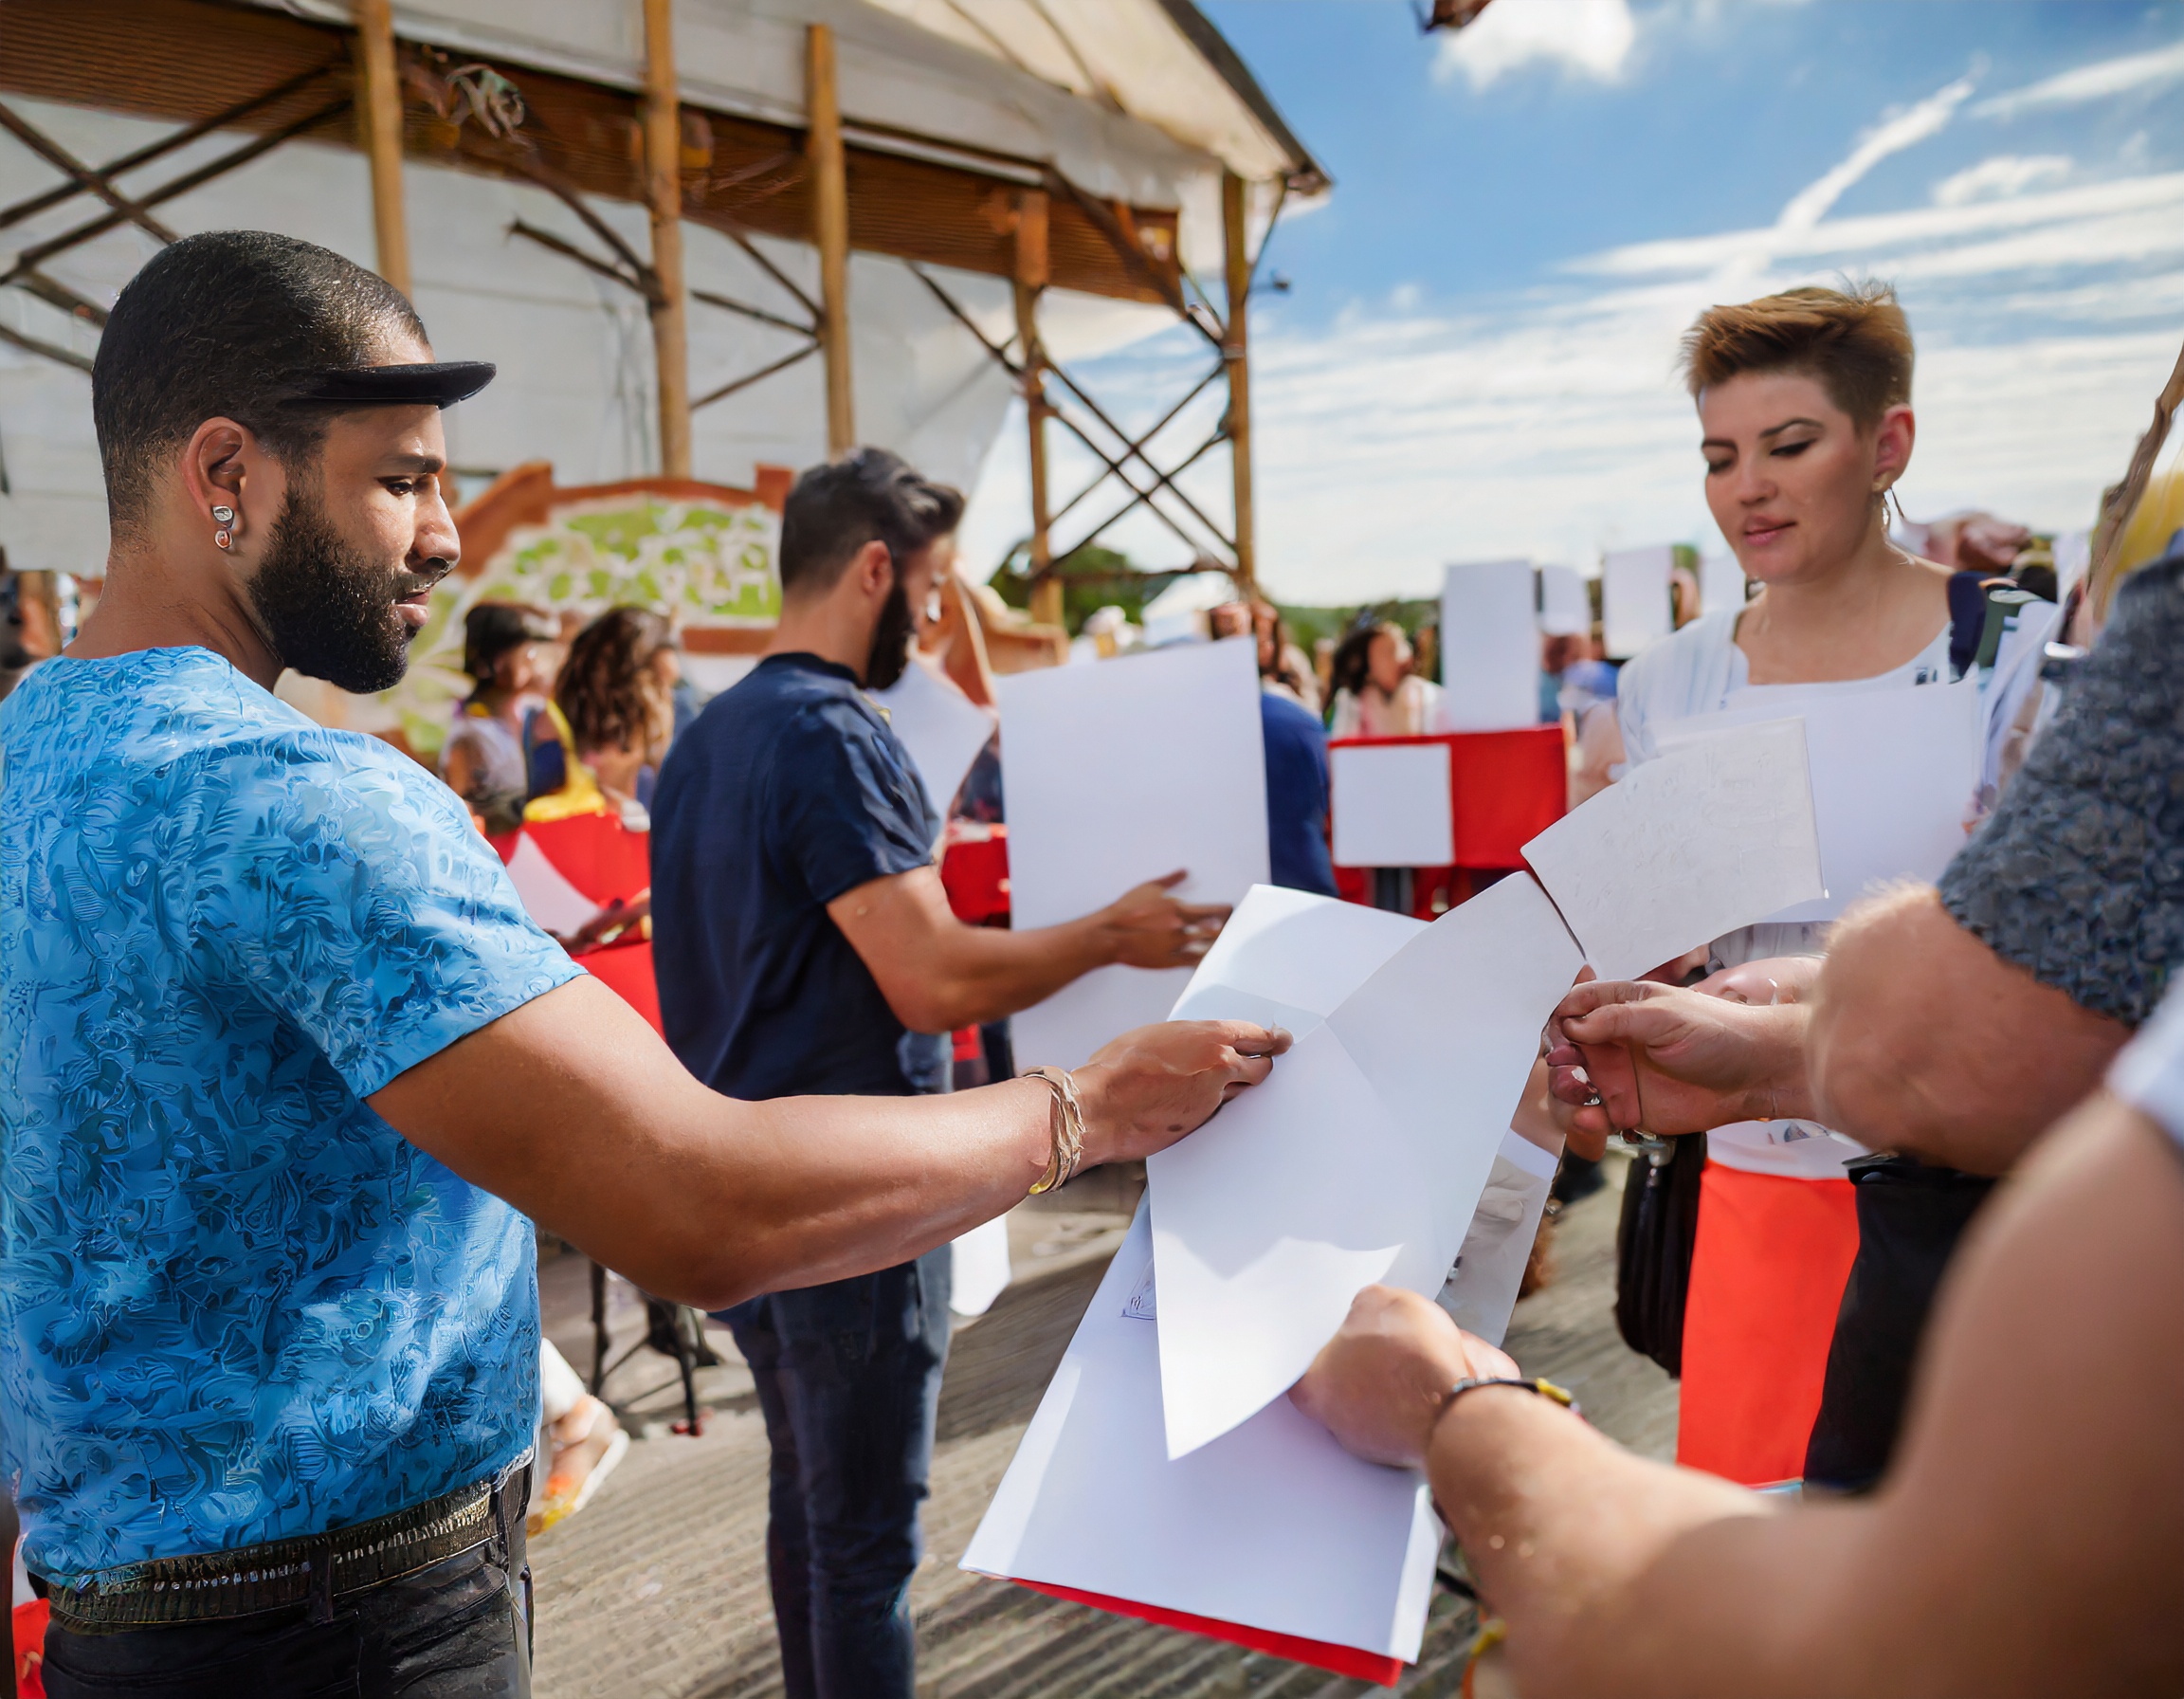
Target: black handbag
(1653,1240)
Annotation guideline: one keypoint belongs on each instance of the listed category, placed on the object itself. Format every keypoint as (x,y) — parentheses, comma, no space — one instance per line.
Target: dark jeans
(848,1378)
(459,1630)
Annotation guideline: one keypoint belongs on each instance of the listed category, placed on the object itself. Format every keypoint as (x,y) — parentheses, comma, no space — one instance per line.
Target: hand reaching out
(1658,1059)
(1147,927)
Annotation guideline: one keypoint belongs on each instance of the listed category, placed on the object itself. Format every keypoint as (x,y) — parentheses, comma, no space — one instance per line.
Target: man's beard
(891,640)
(328,609)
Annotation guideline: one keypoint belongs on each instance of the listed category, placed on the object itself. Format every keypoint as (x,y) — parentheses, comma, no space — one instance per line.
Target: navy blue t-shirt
(1295,796)
(786,792)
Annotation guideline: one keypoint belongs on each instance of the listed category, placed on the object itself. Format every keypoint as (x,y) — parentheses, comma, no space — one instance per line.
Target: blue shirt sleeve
(846,806)
(347,887)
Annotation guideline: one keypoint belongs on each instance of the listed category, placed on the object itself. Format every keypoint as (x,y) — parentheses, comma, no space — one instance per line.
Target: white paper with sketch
(1361,1160)
(1272,1526)
(1713,834)
(1391,805)
(1482,1290)
(1489,651)
(1117,773)
(1893,775)
(942,729)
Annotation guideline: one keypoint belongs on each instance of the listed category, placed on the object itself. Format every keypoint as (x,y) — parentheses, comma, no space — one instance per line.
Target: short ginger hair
(1856,342)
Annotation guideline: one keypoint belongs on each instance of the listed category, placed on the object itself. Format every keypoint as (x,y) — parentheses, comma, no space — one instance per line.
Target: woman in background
(1377,693)
(482,759)
(613,712)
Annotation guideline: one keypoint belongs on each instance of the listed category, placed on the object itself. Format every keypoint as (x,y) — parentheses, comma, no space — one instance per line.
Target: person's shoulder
(1278,715)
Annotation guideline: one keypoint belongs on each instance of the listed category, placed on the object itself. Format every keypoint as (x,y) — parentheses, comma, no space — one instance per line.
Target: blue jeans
(849,1379)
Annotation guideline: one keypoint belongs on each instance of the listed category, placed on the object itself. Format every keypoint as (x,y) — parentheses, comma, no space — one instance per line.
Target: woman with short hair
(1804,400)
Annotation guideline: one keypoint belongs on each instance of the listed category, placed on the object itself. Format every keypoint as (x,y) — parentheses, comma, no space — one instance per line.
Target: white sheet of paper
(545,891)
(1482,1290)
(1720,583)
(1391,805)
(1634,608)
(1119,772)
(1489,651)
(1272,1526)
(1714,835)
(978,1269)
(1893,774)
(942,729)
(1360,1161)
(1287,958)
(1565,604)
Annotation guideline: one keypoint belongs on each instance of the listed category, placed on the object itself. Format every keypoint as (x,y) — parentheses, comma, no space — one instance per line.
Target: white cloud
(1590,38)
(2089,83)
(1999,178)
(1895,132)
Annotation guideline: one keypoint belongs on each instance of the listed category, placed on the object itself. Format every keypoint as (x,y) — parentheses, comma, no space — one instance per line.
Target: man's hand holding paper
(1661,1060)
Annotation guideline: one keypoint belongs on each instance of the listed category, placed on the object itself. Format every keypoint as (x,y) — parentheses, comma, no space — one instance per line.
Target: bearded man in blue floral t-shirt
(283,1066)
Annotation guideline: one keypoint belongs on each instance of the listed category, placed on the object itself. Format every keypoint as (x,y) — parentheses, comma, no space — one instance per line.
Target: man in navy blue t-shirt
(804,944)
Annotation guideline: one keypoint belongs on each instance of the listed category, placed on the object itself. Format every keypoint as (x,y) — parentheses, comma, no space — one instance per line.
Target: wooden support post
(1030,280)
(664,195)
(380,119)
(824,155)
(1235,354)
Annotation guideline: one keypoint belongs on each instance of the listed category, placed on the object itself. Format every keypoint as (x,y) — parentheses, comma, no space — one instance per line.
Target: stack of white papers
(1365,1158)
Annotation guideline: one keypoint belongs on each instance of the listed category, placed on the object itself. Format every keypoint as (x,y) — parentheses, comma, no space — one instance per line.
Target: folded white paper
(1272,1526)
(1116,774)
(942,729)
(1361,1160)
(1893,775)
(1711,835)
(1489,652)
(1286,957)
(1391,805)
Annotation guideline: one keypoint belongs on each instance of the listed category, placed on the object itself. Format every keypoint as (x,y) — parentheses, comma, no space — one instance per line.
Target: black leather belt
(211,1586)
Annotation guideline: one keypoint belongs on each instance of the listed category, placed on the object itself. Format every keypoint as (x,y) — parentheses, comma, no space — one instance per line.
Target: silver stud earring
(223,517)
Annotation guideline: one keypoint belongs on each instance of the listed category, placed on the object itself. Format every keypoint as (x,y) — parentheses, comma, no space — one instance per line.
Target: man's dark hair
(222,324)
(866,495)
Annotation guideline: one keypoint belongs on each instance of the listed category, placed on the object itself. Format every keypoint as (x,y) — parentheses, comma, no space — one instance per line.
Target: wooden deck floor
(657,1588)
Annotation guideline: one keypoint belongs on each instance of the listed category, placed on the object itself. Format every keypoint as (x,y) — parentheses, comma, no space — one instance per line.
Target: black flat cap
(441,384)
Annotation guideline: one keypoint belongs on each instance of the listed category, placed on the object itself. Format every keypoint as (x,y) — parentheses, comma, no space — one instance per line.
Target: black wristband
(1534,1384)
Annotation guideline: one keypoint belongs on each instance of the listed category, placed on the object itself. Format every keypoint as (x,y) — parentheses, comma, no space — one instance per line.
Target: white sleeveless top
(1701,670)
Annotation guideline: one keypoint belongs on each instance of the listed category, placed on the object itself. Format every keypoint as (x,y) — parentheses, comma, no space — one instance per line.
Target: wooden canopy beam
(825,161)
(664,198)
(380,111)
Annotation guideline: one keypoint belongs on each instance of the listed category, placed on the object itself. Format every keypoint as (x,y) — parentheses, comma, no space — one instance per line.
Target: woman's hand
(1144,1090)
(1380,1384)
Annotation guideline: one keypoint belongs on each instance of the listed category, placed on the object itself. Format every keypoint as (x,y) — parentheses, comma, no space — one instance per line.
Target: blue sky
(1475,358)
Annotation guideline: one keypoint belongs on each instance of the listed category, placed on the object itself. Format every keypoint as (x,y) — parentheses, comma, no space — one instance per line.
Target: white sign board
(1391,805)
(1635,612)
(1720,584)
(1565,603)
(1489,651)
(942,729)
(1117,773)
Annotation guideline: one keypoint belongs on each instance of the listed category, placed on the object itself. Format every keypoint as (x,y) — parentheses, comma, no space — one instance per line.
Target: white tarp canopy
(576,349)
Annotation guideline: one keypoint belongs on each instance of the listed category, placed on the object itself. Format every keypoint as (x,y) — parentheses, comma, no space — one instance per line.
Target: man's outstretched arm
(573,1110)
(2029,1539)
(939,975)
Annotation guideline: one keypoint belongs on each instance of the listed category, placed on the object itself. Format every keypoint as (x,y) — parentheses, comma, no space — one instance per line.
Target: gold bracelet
(1065,1128)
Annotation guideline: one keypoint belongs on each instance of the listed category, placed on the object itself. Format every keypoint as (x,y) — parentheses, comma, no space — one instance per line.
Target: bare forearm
(1621,1577)
(982,974)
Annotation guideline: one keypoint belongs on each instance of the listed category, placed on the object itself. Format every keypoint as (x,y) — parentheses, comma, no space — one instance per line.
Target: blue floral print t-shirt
(235,1304)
